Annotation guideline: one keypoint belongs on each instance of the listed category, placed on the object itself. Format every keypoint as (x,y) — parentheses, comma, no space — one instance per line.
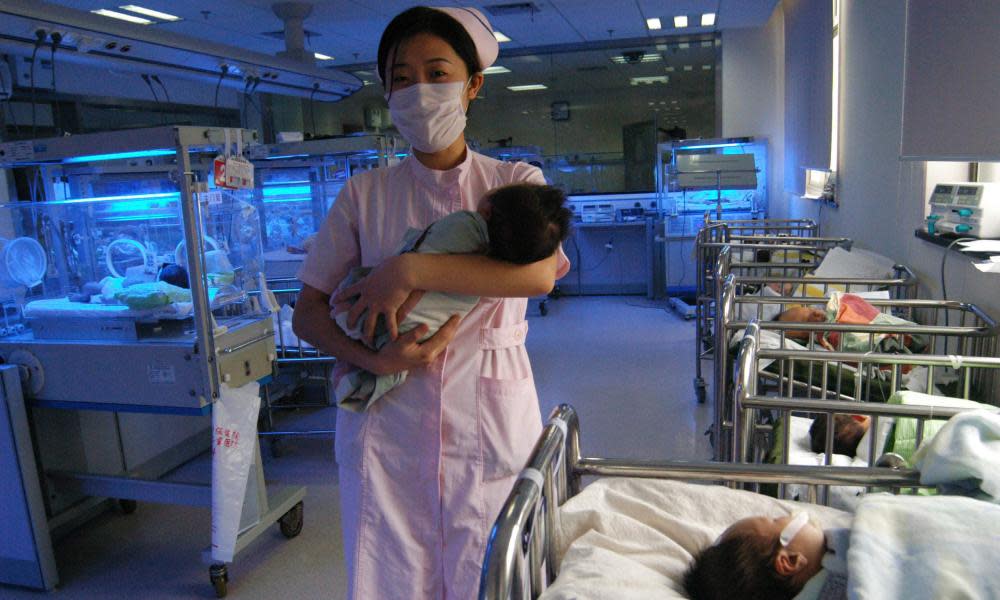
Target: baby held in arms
(763,558)
(519,223)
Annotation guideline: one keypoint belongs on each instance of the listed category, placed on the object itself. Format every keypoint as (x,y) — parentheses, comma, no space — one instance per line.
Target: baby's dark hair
(527,222)
(847,434)
(741,565)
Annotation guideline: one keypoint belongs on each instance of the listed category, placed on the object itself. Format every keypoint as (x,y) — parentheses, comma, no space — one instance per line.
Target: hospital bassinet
(301,372)
(784,248)
(521,556)
(945,327)
(755,412)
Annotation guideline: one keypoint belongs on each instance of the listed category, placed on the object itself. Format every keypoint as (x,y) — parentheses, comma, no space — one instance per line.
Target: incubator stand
(132,292)
(110,211)
(297,182)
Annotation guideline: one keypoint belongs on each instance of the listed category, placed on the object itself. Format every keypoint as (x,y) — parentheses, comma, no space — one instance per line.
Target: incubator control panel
(965,209)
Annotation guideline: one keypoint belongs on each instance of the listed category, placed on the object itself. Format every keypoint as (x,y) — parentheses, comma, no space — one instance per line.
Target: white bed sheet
(634,539)
(62,307)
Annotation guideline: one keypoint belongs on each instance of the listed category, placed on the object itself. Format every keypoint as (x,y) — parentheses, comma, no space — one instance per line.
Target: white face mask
(429,115)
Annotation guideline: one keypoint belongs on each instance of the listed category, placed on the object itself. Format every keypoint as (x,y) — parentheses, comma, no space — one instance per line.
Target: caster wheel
(127,506)
(291,522)
(699,390)
(543,308)
(220,580)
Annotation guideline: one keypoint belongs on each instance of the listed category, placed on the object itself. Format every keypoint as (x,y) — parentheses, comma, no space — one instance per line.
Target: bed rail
(519,561)
(971,372)
(787,256)
(969,332)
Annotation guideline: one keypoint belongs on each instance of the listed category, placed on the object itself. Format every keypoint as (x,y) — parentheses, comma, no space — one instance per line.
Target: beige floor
(624,363)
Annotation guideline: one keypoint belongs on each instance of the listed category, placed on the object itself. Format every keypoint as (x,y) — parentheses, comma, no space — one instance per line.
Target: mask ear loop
(793,528)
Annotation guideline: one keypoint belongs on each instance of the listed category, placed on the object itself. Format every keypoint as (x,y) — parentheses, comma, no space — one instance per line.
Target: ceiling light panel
(121,16)
(500,37)
(495,70)
(527,88)
(649,80)
(654,23)
(320,56)
(680,21)
(148,12)
(708,20)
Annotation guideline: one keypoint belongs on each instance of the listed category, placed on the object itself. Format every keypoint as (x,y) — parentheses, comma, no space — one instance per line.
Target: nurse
(424,471)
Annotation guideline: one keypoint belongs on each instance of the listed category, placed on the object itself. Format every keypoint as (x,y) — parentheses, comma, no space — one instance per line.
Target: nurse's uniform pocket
(509,424)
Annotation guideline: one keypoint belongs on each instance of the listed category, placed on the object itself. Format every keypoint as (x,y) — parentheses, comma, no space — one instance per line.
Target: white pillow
(854,263)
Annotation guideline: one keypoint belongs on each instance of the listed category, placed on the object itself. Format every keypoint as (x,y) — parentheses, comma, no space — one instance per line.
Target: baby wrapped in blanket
(519,223)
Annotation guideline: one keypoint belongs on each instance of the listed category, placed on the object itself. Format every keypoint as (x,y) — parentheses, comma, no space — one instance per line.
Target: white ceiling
(349,30)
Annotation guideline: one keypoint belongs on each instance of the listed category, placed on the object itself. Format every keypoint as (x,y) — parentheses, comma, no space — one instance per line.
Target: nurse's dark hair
(527,222)
(421,19)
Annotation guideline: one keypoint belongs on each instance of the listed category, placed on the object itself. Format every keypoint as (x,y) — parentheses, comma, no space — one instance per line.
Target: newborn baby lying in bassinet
(771,559)
(519,223)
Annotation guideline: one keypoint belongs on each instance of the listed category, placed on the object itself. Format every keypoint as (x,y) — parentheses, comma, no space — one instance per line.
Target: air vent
(512,9)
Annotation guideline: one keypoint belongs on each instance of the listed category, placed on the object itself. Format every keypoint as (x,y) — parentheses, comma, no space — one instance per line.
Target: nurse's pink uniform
(423,473)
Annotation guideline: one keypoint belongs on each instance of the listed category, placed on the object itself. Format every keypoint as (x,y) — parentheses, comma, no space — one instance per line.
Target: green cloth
(152,295)
(903,439)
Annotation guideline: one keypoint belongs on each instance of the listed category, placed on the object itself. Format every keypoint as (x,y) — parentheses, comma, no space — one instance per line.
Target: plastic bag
(234,433)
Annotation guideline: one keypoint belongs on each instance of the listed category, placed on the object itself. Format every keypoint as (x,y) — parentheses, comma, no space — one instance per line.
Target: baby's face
(810,540)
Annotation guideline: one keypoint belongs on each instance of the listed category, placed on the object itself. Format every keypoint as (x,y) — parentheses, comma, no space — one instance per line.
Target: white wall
(753,94)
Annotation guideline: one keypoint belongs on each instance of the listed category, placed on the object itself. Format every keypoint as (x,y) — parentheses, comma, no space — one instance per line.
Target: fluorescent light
(119,156)
(649,80)
(706,67)
(683,45)
(320,56)
(680,21)
(500,37)
(688,67)
(162,16)
(495,69)
(121,16)
(653,23)
(527,88)
(708,20)
(647,57)
(670,69)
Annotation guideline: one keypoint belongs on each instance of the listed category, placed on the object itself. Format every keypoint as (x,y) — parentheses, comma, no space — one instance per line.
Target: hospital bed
(786,248)
(774,426)
(945,328)
(301,372)
(549,507)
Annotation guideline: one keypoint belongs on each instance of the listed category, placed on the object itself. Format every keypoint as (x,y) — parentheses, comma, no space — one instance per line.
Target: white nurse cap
(479,29)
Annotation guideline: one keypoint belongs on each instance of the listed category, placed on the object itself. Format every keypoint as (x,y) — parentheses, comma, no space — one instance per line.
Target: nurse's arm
(478,275)
(311,322)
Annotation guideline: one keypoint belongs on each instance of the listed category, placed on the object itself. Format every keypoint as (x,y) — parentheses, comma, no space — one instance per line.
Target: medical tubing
(56,38)
(944,288)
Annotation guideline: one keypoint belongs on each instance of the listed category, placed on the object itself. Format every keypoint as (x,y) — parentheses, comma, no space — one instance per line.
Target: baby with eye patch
(764,558)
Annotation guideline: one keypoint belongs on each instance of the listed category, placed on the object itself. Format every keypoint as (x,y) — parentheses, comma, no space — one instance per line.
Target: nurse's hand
(386,291)
(405,352)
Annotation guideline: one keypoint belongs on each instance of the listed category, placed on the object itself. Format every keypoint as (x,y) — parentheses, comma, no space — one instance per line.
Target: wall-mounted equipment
(965,209)
(97,41)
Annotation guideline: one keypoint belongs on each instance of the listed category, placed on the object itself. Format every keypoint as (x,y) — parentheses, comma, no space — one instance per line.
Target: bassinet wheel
(699,390)
(291,522)
(219,575)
